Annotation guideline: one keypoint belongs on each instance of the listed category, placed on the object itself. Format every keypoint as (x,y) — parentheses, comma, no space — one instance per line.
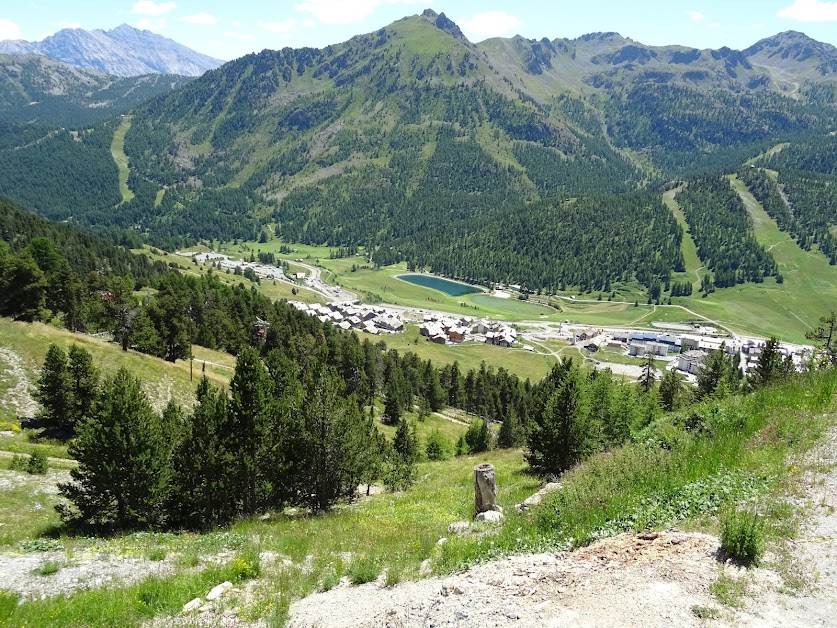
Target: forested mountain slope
(36,89)
(506,160)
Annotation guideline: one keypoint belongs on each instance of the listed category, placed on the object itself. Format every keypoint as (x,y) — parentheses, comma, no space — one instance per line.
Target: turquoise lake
(450,288)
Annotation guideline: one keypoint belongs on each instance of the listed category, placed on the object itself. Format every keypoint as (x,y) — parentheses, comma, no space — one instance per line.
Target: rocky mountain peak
(122,51)
(443,22)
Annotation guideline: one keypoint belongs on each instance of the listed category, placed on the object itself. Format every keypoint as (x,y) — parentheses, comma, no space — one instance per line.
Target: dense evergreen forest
(51,270)
(427,149)
(723,232)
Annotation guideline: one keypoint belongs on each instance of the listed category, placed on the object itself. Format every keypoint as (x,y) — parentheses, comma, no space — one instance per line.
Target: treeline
(284,435)
(723,232)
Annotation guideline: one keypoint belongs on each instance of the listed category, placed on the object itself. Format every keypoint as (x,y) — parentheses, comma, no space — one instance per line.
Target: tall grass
(736,450)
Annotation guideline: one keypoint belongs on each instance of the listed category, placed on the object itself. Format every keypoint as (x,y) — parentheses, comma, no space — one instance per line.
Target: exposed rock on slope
(122,51)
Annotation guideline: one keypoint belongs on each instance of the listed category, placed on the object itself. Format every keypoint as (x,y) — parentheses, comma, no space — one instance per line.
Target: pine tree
(560,437)
(392,403)
(54,391)
(123,474)
(770,365)
(333,428)
(478,436)
(404,456)
(511,432)
(250,389)
(649,376)
(205,493)
(438,446)
(84,384)
(825,335)
(716,377)
(23,287)
(671,390)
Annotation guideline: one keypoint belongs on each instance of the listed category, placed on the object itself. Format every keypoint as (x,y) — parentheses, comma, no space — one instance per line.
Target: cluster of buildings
(453,330)
(355,315)
(686,352)
(225,263)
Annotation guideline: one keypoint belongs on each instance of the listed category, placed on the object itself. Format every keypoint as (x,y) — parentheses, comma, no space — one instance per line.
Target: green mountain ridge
(39,90)
(429,148)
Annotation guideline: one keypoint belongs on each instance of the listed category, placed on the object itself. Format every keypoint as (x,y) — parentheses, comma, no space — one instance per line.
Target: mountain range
(482,161)
(122,51)
(38,90)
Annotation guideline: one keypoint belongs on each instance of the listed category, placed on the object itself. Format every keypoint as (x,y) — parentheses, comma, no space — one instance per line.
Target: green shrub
(37,464)
(363,569)
(742,536)
(17,463)
(157,554)
(48,568)
(438,446)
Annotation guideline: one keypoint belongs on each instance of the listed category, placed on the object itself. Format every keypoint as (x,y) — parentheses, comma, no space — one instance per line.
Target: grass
(127,606)
(785,310)
(26,506)
(163,380)
(392,533)
(470,355)
(741,450)
(117,150)
(748,449)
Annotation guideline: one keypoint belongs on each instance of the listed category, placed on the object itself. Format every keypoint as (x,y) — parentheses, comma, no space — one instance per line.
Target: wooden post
(485,488)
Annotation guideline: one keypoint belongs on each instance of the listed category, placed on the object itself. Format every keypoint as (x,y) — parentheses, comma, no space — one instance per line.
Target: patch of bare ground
(654,579)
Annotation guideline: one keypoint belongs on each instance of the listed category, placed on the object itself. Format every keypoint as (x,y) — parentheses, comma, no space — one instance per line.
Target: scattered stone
(458,527)
(442,541)
(218,591)
(537,498)
(491,516)
(205,608)
(193,605)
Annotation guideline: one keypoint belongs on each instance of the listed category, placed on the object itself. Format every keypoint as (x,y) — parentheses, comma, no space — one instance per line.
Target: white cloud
(205,19)
(156,9)
(152,24)
(696,16)
(490,24)
(8,29)
(342,12)
(810,11)
(239,36)
(236,23)
(278,27)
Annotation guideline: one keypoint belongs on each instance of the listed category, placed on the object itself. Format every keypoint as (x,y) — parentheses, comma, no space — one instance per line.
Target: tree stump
(485,488)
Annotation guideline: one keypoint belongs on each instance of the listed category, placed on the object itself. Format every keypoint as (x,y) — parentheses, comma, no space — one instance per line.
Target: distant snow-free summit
(122,51)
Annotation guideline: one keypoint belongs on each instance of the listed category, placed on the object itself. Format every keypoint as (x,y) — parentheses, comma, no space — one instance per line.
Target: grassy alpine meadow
(25,346)
(741,451)
(391,534)
(469,355)
(786,310)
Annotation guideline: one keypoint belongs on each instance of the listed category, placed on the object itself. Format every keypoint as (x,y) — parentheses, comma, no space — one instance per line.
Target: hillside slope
(36,89)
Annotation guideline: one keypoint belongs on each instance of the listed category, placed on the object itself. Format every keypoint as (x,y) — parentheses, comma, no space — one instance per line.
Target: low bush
(37,463)
(363,569)
(742,536)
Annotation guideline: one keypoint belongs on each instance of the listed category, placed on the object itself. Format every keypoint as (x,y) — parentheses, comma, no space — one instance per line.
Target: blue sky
(227,29)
